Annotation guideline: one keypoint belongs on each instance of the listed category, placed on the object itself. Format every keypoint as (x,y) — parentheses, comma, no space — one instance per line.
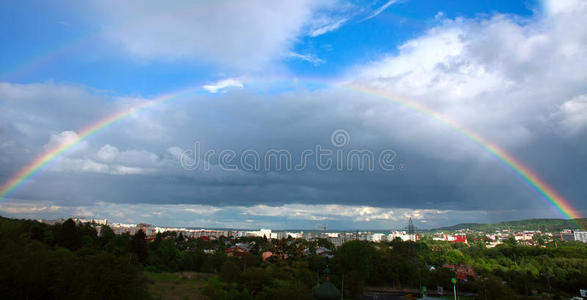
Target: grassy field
(176,286)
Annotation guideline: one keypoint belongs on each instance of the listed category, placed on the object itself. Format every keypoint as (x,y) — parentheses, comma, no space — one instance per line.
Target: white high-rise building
(581,236)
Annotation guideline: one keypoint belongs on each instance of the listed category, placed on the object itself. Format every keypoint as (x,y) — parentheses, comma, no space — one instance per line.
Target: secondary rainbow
(53,153)
(558,202)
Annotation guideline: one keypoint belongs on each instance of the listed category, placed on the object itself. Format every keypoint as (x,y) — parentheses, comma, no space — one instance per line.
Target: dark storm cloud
(443,170)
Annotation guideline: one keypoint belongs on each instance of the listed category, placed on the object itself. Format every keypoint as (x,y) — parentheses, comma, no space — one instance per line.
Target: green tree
(69,236)
(139,245)
(230,271)
(355,258)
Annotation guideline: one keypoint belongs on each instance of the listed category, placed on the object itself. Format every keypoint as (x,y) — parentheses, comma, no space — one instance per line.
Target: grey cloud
(434,177)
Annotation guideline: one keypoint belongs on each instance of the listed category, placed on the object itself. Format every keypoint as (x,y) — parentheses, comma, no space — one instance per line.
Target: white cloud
(64,139)
(123,170)
(111,161)
(380,9)
(175,152)
(327,27)
(499,76)
(564,6)
(432,64)
(28,208)
(202,209)
(235,34)
(223,84)
(308,57)
(574,113)
(78,165)
(107,153)
(85,165)
(260,215)
(138,158)
(355,213)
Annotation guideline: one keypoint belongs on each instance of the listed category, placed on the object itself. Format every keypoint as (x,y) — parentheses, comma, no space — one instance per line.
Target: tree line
(71,261)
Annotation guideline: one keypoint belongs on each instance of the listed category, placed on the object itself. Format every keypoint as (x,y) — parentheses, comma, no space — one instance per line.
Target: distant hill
(548,225)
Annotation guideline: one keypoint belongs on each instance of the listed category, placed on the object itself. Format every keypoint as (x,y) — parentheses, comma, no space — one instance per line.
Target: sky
(261,123)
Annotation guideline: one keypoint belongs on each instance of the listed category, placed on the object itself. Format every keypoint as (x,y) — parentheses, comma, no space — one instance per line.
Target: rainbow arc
(533,180)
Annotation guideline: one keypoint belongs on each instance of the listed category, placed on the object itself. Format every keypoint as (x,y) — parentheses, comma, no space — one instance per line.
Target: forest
(71,261)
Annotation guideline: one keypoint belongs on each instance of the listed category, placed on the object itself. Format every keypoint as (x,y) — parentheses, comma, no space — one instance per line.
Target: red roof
(460,239)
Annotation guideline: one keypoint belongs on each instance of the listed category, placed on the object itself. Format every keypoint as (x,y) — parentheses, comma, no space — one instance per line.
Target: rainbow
(37,62)
(558,202)
(43,160)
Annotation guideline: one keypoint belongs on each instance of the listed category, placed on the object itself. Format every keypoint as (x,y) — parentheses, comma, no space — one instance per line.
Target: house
(462,270)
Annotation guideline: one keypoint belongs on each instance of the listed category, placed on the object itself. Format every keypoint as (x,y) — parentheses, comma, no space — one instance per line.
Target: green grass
(176,286)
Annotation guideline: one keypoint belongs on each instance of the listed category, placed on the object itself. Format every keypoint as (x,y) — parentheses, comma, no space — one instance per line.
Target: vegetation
(545,225)
(67,261)
(176,286)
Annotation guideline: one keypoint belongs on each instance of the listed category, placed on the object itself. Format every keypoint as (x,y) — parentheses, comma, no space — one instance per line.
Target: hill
(547,225)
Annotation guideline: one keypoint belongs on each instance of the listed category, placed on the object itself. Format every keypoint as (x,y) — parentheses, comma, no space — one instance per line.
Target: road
(384,296)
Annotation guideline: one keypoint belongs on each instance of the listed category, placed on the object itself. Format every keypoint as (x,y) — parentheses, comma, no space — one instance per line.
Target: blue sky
(60,44)
(513,71)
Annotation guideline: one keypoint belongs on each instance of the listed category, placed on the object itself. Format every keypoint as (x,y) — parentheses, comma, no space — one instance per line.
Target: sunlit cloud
(223,84)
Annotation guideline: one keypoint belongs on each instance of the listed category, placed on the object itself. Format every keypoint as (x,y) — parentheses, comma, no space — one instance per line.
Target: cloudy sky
(255,90)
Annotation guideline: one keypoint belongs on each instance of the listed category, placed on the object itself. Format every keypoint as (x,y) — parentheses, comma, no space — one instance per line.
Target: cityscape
(337,238)
(293,150)
(215,263)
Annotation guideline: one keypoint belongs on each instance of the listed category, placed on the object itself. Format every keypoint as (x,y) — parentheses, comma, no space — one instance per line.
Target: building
(323,251)
(266,233)
(377,237)
(91,221)
(457,238)
(462,270)
(404,236)
(567,235)
(524,236)
(580,236)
